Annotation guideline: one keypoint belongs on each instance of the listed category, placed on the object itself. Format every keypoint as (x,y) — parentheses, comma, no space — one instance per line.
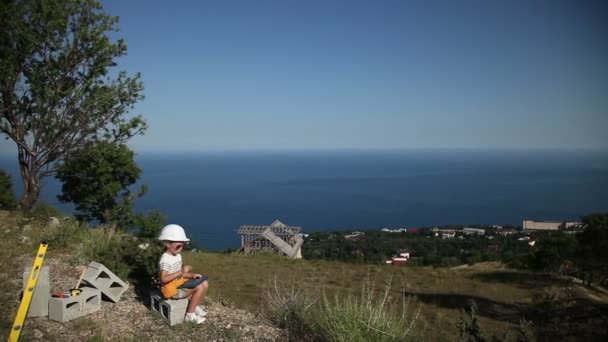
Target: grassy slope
(502,295)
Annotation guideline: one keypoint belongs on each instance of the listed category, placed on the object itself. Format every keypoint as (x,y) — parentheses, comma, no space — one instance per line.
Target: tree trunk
(31,180)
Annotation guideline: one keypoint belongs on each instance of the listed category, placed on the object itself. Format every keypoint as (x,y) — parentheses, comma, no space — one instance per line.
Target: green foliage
(592,252)
(553,251)
(97,180)
(59,89)
(68,234)
(127,256)
(376,247)
(7,196)
(149,225)
(469,329)
(96,338)
(41,212)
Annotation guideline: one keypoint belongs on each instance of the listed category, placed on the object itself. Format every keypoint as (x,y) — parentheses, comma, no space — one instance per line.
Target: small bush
(127,256)
(42,211)
(291,308)
(66,235)
(7,196)
(149,225)
(468,328)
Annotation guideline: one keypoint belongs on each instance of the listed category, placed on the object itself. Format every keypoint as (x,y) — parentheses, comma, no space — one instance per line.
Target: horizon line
(355,149)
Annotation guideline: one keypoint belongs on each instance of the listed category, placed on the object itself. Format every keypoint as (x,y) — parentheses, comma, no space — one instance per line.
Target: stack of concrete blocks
(98,276)
(99,282)
(172,311)
(39,306)
(67,309)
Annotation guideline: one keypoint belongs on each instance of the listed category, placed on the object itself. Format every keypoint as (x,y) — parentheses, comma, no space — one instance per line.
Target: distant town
(374,244)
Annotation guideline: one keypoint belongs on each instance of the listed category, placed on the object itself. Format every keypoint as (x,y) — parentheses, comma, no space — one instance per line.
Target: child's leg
(187,294)
(186,268)
(198,295)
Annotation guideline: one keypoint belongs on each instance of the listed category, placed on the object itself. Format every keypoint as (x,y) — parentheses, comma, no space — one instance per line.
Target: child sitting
(177,280)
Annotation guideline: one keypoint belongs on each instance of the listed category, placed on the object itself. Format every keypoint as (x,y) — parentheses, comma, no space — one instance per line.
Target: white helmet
(173,232)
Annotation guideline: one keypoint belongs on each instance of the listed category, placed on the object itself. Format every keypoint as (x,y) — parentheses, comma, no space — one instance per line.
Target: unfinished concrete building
(276,238)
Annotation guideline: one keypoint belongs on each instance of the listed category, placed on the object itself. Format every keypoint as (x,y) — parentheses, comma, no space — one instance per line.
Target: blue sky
(368,74)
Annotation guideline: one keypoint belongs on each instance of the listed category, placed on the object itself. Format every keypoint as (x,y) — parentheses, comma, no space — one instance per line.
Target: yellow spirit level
(27,294)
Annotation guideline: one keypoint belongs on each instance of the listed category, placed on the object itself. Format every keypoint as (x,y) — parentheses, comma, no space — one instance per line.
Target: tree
(149,225)
(97,180)
(592,242)
(58,88)
(553,252)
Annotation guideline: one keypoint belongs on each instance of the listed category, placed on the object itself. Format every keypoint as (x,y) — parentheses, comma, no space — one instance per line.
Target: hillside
(128,320)
(239,305)
(555,306)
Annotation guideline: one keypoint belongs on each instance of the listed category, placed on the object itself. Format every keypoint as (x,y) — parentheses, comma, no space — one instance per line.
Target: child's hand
(196,275)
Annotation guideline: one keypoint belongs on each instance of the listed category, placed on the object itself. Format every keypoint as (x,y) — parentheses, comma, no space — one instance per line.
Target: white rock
(27,228)
(38,334)
(53,222)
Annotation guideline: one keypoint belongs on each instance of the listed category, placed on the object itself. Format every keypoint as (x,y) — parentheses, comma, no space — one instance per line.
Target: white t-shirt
(170,263)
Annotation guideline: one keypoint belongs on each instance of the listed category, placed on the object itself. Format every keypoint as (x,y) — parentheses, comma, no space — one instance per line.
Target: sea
(211,194)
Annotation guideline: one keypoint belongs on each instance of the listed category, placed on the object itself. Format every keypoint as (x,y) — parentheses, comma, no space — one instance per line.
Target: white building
(543,225)
(473,231)
(398,230)
(354,235)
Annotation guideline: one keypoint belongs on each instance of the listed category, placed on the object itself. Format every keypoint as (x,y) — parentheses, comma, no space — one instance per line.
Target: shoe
(194,318)
(200,312)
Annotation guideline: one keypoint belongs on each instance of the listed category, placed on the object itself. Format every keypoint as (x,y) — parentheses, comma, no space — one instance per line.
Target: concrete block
(39,306)
(172,311)
(100,277)
(91,300)
(67,309)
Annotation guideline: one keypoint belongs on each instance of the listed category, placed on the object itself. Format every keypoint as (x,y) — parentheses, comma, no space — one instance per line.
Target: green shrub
(126,255)
(67,234)
(42,211)
(7,196)
(149,225)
